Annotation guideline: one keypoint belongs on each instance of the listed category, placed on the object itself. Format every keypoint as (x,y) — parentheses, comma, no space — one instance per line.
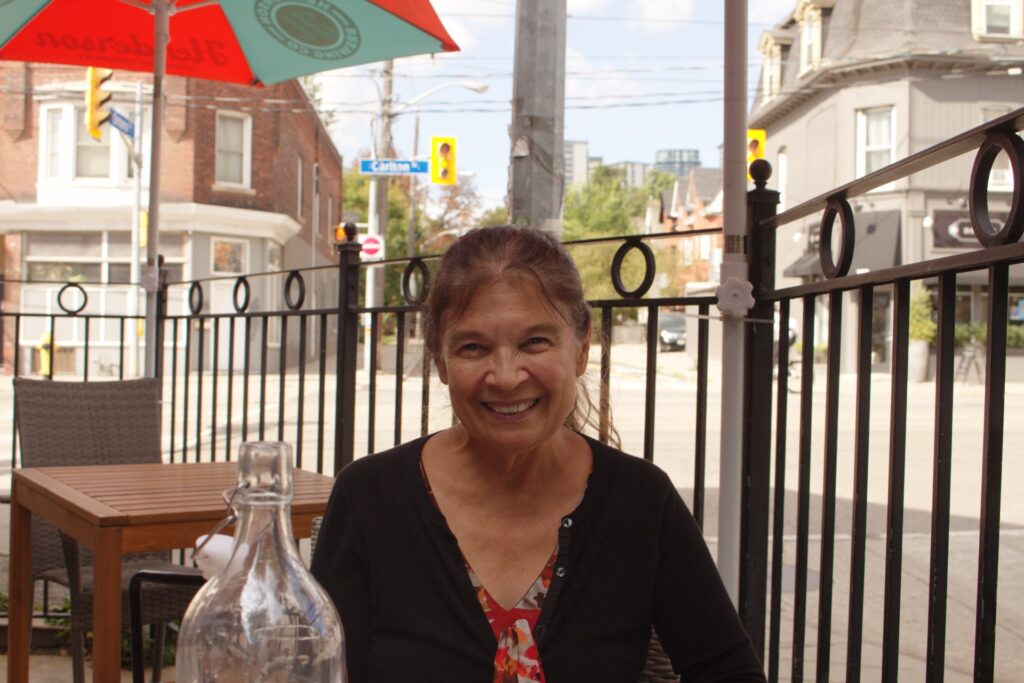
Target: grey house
(849,86)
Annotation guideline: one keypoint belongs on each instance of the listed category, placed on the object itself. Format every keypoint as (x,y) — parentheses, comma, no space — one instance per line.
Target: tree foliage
(607,207)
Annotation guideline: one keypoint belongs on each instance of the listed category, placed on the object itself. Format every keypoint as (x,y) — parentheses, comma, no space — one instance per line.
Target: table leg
(106,606)
(19,628)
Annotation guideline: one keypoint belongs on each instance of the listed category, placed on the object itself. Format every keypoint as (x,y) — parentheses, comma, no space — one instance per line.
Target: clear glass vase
(263,618)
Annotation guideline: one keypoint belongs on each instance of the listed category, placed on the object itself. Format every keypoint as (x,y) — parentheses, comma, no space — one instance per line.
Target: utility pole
(537,165)
(414,186)
(734,294)
(378,206)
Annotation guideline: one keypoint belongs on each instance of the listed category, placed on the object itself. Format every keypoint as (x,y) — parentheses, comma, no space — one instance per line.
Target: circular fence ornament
(241,285)
(195,298)
(416,265)
(293,278)
(649,268)
(837,206)
(981,220)
(74,287)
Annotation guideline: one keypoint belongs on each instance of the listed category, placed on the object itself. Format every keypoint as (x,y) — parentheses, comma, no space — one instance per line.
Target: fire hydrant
(45,354)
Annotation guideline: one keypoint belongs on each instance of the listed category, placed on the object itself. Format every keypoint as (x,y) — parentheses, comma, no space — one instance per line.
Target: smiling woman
(511,547)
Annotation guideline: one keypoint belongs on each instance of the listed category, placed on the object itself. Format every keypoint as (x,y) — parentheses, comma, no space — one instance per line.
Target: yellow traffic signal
(755,147)
(442,161)
(95,99)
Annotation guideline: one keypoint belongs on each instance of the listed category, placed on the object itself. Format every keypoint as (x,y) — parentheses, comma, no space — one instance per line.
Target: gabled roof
(705,183)
(870,35)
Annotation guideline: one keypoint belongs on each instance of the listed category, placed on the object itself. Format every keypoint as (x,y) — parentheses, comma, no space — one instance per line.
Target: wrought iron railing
(767,615)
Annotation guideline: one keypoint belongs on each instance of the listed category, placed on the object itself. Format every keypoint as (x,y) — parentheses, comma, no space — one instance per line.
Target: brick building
(250,183)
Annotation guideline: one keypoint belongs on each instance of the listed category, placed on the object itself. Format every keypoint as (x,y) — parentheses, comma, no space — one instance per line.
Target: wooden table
(120,509)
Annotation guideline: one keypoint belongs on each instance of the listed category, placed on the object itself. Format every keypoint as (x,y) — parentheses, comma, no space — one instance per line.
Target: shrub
(921,324)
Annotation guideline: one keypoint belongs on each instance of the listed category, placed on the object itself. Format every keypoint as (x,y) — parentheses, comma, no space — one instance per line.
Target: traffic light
(442,161)
(755,147)
(95,99)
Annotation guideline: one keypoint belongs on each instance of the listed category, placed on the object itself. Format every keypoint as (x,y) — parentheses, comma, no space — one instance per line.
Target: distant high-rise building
(577,169)
(635,172)
(677,161)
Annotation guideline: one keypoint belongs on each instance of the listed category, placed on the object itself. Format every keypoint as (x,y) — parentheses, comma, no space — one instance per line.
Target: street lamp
(378,190)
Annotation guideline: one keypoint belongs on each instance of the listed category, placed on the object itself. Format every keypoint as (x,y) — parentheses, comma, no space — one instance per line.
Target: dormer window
(809,18)
(771,68)
(997,19)
(810,39)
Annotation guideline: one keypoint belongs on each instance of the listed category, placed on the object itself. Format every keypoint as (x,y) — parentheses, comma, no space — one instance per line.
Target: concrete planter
(919,361)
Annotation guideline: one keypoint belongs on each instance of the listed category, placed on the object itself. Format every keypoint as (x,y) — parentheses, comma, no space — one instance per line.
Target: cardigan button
(567,522)
(560,572)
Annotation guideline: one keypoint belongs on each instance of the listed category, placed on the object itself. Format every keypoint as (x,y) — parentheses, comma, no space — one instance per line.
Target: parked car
(671,331)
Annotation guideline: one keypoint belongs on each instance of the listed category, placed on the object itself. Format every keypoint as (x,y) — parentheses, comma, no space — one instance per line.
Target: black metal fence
(772,617)
(278,355)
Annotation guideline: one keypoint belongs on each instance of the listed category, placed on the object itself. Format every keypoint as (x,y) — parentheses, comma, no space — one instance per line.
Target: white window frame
(229,240)
(299,212)
(861,141)
(979,20)
(63,138)
(246,120)
(810,39)
(782,163)
(771,69)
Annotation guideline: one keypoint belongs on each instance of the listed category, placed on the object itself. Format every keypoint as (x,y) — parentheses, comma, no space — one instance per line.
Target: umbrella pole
(151,277)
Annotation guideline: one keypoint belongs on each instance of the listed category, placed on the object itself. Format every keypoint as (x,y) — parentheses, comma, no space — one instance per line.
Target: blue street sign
(121,122)
(393,166)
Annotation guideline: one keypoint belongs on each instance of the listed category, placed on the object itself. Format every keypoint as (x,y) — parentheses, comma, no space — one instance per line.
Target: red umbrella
(238,41)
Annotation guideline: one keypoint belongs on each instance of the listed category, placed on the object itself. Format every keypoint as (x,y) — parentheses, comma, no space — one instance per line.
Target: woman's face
(510,363)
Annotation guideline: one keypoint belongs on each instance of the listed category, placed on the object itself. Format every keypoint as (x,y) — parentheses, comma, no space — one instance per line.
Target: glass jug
(263,618)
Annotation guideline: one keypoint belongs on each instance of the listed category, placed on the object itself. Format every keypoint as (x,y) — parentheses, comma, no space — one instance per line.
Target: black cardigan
(630,556)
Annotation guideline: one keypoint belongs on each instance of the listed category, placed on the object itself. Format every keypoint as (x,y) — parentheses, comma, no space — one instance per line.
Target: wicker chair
(93,423)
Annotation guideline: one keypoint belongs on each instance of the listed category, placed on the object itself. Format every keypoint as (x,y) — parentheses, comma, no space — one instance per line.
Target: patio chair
(93,423)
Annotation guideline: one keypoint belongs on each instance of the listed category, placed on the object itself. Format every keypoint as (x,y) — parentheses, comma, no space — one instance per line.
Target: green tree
(607,207)
(357,188)
(494,216)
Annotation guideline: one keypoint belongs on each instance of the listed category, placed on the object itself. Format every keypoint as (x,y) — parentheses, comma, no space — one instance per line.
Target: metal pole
(537,165)
(133,278)
(410,237)
(151,276)
(733,295)
(378,209)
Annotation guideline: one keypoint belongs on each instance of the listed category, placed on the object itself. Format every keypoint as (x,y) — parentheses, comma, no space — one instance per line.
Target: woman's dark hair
(484,256)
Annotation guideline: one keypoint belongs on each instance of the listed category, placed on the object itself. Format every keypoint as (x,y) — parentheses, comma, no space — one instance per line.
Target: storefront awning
(876,246)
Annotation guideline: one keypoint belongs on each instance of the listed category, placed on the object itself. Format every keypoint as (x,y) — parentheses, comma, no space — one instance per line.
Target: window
(314,190)
(228,256)
(330,216)
(996,19)
(810,38)
(771,70)
(234,147)
(783,175)
(298,190)
(52,153)
(874,139)
(92,157)
(1001,177)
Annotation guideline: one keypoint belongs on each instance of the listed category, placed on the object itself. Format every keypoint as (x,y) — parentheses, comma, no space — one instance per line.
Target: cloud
(770,11)
(469,21)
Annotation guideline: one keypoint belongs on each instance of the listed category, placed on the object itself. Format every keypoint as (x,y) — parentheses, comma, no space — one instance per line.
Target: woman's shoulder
(615,465)
(385,466)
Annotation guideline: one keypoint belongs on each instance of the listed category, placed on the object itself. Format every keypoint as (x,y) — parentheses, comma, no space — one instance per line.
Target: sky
(641,75)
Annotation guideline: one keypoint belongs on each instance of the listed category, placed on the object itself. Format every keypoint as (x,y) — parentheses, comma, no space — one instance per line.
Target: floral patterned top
(517,659)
